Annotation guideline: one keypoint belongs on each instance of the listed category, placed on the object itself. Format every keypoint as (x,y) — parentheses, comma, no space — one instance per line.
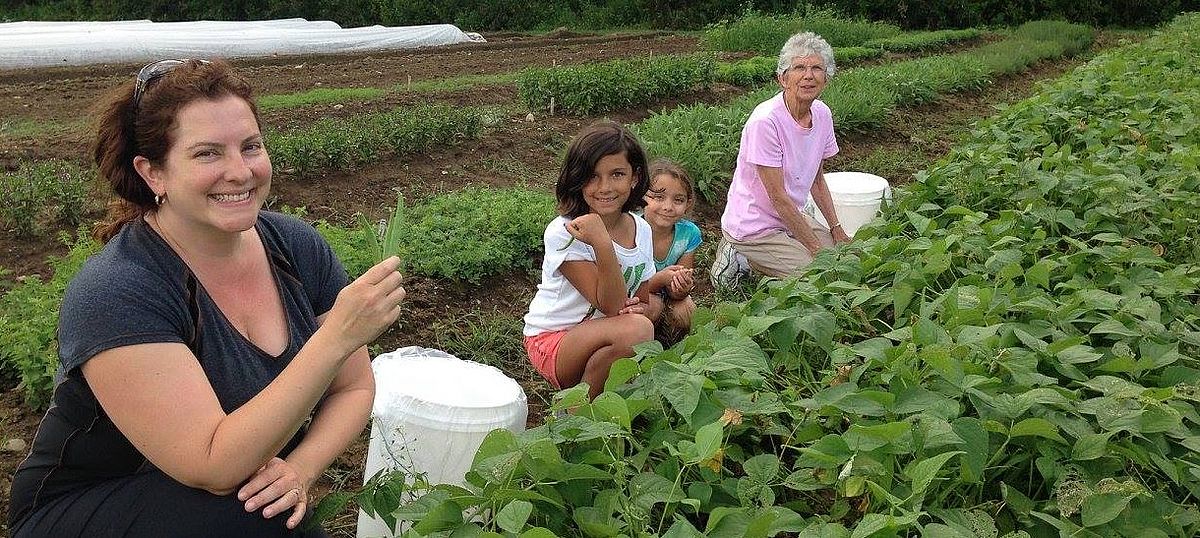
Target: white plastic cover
(44,44)
(431,412)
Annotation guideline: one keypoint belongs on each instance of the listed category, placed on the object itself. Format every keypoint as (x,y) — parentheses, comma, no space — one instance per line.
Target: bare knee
(632,330)
(680,314)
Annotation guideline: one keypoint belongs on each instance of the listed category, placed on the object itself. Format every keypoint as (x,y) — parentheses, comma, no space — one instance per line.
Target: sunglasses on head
(154,71)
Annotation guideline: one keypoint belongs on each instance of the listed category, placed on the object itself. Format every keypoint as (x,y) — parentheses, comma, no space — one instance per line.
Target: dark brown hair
(597,141)
(123,133)
(663,165)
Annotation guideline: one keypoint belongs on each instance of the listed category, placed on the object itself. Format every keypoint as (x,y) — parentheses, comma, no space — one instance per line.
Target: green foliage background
(531,14)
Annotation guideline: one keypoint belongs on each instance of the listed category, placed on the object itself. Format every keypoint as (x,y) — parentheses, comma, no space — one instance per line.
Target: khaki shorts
(779,254)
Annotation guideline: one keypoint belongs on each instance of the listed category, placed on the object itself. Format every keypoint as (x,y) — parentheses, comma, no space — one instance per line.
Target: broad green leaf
(1002,259)
(538,532)
(902,294)
(1036,426)
(873,523)
(976,450)
(747,358)
(923,472)
(1038,274)
(756,325)
(867,438)
(1090,446)
(968,334)
(648,489)
(762,469)
(1101,508)
(1112,326)
(1017,501)
(682,529)
(445,516)
(495,443)
(620,373)
(821,326)
(708,441)
(937,530)
(803,480)
(824,530)
(679,387)
(513,516)
(608,407)
(1079,354)
(927,332)
(829,451)
(923,401)
(920,223)
(936,433)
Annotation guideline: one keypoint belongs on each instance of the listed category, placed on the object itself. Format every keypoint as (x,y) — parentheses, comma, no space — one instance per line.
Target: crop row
(764,34)
(704,138)
(1013,350)
(465,235)
(48,192)
(333,143)
(617,84)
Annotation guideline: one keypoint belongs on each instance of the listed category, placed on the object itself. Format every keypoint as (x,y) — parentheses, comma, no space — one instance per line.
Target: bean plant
(42,195)
(1012,350)
(29,319)
(765,34)
(613,85)
(336,143)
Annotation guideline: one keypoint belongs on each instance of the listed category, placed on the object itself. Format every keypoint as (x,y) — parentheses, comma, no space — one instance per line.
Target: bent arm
(772,179)
(159,397)
(824,201)
(600,282)
(340,418)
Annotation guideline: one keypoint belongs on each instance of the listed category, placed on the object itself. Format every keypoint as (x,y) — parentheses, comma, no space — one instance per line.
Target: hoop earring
(159,199)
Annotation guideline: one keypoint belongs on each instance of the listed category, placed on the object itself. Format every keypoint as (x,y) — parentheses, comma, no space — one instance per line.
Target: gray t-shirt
(137,290)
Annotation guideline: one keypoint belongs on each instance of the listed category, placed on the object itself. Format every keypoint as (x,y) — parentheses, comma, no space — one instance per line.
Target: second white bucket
(856,199)
(431,412)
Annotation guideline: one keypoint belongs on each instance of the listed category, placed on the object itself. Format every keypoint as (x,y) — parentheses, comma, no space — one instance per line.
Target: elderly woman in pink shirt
(780,162)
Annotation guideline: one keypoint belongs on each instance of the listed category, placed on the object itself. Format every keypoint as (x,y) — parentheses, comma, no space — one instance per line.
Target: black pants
(152,504)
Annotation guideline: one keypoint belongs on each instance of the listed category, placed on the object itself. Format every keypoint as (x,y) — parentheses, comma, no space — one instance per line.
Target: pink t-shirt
(773,138)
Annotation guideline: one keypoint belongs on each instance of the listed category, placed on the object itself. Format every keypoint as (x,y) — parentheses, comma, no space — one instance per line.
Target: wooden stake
(410,82)
(551,105)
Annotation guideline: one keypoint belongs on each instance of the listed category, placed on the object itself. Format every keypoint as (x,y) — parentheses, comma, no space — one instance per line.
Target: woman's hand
(839,235)
(369,305)
(589,229)
(275,488)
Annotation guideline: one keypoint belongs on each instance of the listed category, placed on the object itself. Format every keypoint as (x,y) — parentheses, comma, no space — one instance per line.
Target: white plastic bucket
(431,412)
(856,199)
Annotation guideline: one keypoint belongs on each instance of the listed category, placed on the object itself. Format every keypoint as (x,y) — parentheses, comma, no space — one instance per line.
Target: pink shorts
(543,354)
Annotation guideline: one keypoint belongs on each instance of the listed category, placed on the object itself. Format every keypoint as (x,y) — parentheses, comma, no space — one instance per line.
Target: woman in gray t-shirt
(213,357)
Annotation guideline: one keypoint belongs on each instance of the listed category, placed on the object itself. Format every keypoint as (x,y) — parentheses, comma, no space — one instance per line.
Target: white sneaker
(729,266)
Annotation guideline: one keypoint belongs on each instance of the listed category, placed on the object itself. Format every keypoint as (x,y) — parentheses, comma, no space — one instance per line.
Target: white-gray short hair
(806,44)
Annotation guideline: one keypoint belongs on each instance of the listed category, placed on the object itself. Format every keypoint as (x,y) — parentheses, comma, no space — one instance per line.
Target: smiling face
(216,174)
(804,79)
(611,183)
(667,201)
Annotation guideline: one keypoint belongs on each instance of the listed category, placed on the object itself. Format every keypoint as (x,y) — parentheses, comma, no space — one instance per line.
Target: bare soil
(514,152)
